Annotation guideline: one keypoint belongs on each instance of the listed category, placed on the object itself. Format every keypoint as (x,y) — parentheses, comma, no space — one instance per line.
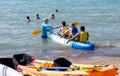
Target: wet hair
(56,10)
(37,14)
(53,15)
(73,25)
(28,17)
(63,23)
(82,28)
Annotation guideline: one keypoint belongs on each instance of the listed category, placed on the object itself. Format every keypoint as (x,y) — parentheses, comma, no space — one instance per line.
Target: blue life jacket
(74,31)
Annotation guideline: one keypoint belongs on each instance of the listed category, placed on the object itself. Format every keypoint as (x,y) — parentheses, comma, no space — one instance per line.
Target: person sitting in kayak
(82,35)
(72,31)
(63,29)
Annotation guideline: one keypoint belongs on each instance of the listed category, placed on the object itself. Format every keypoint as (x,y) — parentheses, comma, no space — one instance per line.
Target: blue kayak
(73,44)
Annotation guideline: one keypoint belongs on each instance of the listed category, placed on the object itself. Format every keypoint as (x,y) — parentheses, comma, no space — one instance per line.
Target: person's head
(53,16)
(72,25)
(28,17)
(56,10)
(82,28)
(46,20)
(37,14)
(63,23)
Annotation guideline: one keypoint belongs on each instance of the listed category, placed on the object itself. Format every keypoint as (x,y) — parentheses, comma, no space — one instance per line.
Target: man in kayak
(82,35)
(62,29)
(72,31)
(45,28)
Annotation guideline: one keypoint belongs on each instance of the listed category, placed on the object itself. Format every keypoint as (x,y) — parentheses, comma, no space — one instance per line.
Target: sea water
(100,17)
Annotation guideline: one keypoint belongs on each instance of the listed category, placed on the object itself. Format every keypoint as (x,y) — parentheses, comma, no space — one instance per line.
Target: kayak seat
(62,62)
(22,59)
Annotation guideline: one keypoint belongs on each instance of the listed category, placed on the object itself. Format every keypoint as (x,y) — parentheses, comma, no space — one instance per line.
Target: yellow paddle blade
(35,32)
(75,23)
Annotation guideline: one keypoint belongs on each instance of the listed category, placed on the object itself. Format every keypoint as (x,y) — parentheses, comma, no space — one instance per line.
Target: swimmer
(28,19)
(53,16)
(37,16)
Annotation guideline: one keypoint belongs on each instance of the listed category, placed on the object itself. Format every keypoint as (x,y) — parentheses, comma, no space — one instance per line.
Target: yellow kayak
(60,67)
(29,66)
(46,68)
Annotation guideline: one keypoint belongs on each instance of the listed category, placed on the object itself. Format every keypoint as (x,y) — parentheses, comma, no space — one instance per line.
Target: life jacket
(74,30)
(65,28)
(83,36)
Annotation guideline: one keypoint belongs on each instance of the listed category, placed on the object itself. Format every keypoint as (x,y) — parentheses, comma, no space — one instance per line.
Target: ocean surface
(100,17)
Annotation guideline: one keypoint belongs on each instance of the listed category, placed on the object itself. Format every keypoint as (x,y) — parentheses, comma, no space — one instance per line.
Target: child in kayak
(82,35)
(63,29)
(72,31)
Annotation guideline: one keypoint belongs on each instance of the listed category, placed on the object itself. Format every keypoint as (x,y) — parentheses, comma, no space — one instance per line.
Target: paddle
(72,68)
(38,31)
(35,32)
(57,68)
(75,23)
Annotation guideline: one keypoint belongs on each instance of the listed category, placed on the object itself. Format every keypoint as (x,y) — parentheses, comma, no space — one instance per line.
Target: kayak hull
(77,69)
(73,44)
(60,67)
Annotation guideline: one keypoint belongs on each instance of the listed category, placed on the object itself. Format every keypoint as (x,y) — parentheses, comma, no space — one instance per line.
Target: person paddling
(62,29)
(82,35)
(72,31)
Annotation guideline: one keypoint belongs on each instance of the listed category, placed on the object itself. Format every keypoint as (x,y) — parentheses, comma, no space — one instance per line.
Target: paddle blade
(35,32)
(75,23)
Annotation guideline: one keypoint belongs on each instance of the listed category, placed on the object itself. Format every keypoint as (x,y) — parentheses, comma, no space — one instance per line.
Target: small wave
(107,45)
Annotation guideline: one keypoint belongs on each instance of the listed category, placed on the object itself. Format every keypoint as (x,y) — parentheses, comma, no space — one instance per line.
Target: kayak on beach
(62,67)
(27,65)
(73,44)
